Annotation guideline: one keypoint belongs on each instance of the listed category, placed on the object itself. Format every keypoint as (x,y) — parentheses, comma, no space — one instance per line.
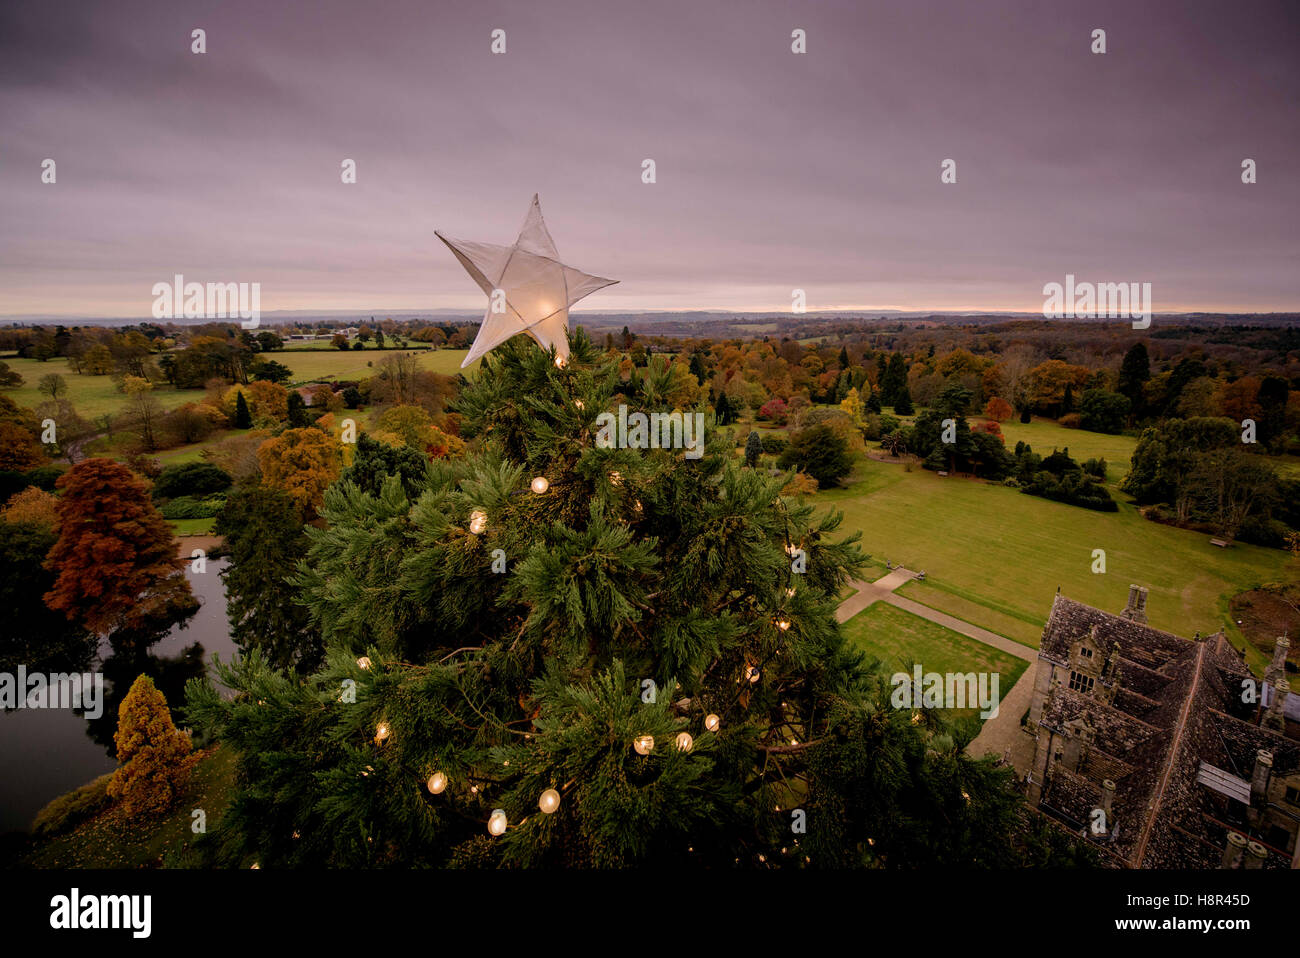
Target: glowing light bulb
(477,521)
(789,593)
(540,485)
(783,624)
(382,732)
(549,801)
(497,823)
(364,662)
(711,722)
(752,674)
(684,741)
(616,478)
(560,362)
(643,744)
(437,783)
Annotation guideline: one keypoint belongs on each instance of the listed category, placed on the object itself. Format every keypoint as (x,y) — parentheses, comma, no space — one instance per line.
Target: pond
(47,752)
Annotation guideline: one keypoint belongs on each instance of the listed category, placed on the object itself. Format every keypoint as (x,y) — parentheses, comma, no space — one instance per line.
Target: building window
(1080,683)
(1293,794)
(1085,652)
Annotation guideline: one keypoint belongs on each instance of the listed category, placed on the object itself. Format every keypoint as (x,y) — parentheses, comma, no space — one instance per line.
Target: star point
(529,290)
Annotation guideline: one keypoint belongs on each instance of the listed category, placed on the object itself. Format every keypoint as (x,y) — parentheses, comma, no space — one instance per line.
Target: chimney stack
(1234,851)
(1136,610)
(1256,853)
(1108,800)
(1274,718)
(1260,777)
(1277,668)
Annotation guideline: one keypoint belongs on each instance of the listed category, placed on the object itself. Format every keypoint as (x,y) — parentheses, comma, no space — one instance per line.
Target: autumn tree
(302,463)
(33,505)
(115,558)
(144,413)
(997,409)
(155,757)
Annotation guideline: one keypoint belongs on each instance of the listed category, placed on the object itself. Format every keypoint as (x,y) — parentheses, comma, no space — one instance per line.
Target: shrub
(190,479)
(187,507)
(1096,467)
(68,811)
(774,445)
(1071,420)
(44,477)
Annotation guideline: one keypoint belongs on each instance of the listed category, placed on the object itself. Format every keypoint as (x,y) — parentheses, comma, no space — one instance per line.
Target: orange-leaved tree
(154,757)
(116,559)
(301,462)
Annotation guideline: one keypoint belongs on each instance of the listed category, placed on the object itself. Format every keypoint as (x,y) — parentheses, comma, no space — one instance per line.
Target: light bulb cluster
(477,521)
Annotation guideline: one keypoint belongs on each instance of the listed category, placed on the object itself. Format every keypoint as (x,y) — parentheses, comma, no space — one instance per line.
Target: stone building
(1167,752)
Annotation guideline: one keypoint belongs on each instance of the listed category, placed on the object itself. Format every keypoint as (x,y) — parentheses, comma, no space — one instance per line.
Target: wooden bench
(1221,543)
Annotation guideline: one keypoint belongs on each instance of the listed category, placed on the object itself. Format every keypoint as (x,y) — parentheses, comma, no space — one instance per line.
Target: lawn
(995,557)
(109,840)
(1044,435)
(360,364)
(900,639)
(91,396)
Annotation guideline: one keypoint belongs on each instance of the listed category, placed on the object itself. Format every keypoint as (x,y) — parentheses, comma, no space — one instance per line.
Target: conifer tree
(557,654)
(243,419)
(155,757)
(753,448)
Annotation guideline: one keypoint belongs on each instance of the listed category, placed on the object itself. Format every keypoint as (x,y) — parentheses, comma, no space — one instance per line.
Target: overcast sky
(819,171)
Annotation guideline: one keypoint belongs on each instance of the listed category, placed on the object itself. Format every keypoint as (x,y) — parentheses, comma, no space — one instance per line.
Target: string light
(497,823)
(540,485)
(549,801)
(637,505)
(752,673)
(684,741)
(616,478)
(437,783)
(560,362)
(783,624)
(364,662)
(477,521)
(579,403)
(382,732)
(643,744)
(711,722)
(789,593)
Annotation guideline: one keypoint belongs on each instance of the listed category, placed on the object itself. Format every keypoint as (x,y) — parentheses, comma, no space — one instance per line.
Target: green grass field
(337,364)
(995,557)
(94,396)
(91,396)
(900,639)
(1043,436)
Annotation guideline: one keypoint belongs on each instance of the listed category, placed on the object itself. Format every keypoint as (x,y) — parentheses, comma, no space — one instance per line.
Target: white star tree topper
(529,290)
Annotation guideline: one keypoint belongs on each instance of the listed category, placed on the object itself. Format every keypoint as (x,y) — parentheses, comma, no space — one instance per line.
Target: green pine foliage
(516,656)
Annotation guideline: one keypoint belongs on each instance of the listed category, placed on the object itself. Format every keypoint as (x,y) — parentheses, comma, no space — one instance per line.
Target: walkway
(1000,735)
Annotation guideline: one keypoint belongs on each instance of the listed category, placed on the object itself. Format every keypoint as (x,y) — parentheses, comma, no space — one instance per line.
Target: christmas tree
(550,653)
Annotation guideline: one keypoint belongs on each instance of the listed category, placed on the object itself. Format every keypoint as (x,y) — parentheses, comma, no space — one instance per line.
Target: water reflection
(46,752)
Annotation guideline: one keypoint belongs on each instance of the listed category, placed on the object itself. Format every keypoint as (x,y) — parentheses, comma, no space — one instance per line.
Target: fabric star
(529,290)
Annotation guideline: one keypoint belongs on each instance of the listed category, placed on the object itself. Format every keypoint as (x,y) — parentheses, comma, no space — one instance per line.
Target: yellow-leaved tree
(155,757)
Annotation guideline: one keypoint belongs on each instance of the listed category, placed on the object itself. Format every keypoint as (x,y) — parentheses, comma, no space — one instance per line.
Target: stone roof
(1179,705)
